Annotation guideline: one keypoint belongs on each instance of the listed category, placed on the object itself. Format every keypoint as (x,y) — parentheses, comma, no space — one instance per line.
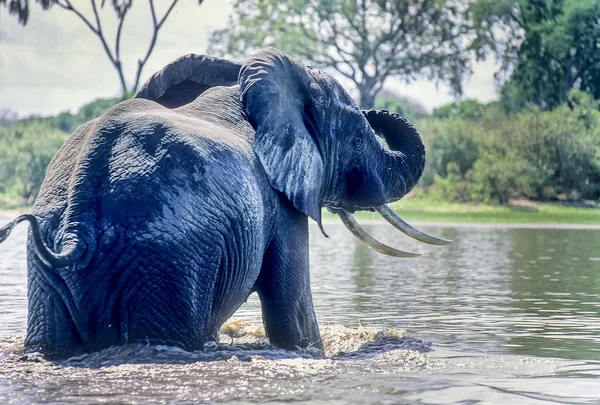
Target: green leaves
(535,154)
(25,151)
(365,41)
(27,147)
(548,48)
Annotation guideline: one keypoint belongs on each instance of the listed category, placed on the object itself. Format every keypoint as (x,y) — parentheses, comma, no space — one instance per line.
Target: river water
(503,315)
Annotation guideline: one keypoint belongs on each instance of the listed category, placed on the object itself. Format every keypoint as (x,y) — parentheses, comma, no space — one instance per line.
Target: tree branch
(156,27)
(152,13)
(167,13)
(100,33)
(69,7)
(392,33)
(97,30)
(357,56)
(330,60)
(118,64)
(118,39)
(114,59)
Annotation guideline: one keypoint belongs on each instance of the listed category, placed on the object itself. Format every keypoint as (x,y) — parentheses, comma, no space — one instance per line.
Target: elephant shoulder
(131,106)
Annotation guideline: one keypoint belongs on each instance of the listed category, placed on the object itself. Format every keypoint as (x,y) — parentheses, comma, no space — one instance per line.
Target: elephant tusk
(368,240)
(389,215)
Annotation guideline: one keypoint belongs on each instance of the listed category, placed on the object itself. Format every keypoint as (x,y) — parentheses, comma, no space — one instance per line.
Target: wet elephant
(157,220)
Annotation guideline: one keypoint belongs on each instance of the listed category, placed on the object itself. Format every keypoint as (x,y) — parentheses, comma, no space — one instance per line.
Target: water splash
(359,365)
(240,341)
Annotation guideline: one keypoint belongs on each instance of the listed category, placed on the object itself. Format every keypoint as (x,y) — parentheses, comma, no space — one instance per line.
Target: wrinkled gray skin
(162,216)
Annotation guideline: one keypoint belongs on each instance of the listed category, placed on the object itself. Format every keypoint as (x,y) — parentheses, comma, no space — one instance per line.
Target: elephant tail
(73,250)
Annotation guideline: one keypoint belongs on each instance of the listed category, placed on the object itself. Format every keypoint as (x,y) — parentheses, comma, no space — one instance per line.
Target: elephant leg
(284,288)
(50,327)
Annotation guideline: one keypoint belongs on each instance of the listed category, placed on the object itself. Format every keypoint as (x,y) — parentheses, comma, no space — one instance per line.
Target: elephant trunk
(404,160)
(402,166)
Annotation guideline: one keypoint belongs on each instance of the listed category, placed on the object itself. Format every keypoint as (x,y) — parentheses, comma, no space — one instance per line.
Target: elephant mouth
(393,219)
(348,209)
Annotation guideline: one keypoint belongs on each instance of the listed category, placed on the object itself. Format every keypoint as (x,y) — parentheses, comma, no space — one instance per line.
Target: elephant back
(184,79)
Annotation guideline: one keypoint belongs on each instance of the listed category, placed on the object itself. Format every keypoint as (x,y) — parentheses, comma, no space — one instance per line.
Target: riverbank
(425,210)
(519,212)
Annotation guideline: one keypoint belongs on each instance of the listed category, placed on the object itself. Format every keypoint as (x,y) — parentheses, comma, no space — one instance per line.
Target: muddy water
(503,315)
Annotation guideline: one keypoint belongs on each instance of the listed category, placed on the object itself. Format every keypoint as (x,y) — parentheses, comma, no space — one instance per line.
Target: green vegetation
(476,162)
(364,41)
(25,151)
(425,209)
(540,141)
(468,109)
(539,155)
(548,48)
(27,147)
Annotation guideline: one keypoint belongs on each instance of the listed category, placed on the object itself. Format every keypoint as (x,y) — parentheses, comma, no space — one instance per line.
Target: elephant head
(321,150)
(316,146)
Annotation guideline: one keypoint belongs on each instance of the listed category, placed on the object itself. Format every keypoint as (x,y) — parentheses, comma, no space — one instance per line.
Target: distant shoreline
(442,224)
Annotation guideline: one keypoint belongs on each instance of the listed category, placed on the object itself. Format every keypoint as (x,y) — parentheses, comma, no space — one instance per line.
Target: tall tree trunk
(367,100)
(368,92)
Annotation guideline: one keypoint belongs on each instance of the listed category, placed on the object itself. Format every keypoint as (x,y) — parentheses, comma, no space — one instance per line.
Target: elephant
(157,220)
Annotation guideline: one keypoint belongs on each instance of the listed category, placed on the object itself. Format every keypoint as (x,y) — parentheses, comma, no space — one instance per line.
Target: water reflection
(557,293)
(494,290)
(361,271)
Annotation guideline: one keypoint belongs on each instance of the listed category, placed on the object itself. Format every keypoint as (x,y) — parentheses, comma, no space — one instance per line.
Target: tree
(121,7)
(27,146)
(469,109)
(8,117)
(548,48)
(366,41)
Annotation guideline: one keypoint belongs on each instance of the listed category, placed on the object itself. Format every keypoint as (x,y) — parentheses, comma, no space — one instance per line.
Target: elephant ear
(276,94)
(184,79)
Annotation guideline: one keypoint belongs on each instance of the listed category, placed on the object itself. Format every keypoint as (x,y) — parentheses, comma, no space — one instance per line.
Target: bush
(27,148)
(461,109)
(448,141)
(534,154)
(25,151)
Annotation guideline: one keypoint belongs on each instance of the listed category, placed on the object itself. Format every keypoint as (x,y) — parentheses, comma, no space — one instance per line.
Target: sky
(55,63)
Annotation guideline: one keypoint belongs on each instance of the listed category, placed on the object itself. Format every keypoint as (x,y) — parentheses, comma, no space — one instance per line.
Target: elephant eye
(357,142)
